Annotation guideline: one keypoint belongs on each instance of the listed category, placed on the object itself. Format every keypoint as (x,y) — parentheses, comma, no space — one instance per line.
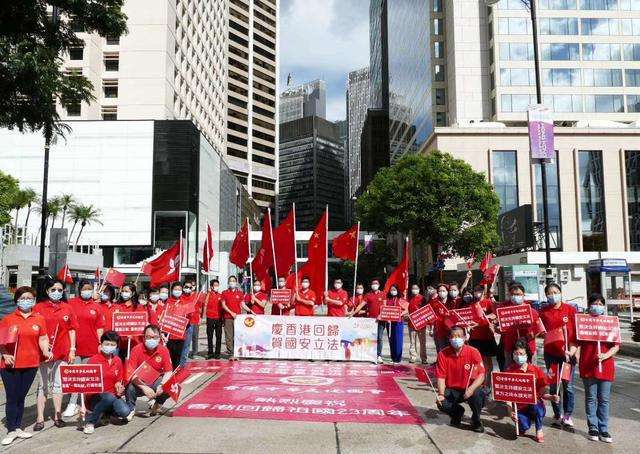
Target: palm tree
(67,201)
(86,215)
(17,203)
(75,215)
(53,209)
(31,197)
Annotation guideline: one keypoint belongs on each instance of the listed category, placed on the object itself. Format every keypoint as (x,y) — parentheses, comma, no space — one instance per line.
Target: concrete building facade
(306,100)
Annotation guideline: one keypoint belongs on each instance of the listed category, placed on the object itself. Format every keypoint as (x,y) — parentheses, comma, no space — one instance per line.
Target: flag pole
(295,245)
(355,268)
(181,257)
(273,249)
(406,248)
(326,250)
(250,258)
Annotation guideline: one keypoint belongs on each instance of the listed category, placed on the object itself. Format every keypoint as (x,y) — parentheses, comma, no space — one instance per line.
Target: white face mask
(394,293)
(281,284)
(453,293)
(154,297)
(216,288)
(442,294)
(359,291)
(375,287)
(125,295)
(305,285)
(257,288)
(415,291)
(233,284)
(337,286)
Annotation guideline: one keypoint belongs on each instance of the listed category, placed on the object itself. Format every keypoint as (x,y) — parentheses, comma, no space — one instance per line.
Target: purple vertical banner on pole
(540,132)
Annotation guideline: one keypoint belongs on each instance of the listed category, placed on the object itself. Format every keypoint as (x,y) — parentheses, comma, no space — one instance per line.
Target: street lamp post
(531,4)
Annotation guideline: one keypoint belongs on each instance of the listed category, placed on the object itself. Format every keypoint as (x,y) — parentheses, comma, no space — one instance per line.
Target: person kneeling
(460,374)
(157,357)
(109,401)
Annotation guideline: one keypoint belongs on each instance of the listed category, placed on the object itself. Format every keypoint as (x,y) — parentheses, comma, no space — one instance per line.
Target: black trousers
(454,397)
(214,326)
(16,384)
(175,351)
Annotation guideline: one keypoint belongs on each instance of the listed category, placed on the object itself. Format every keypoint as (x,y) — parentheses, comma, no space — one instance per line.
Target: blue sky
(324,39)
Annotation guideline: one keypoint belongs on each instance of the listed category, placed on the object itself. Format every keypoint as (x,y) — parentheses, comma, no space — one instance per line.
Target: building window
(630,27)
(563,103)
(440,96)
(630,5)
(111,62)
(516,77)
(553,200)
(600,52)
(437,6)
(505,178)
(109,113)
(561,77)
(598,4)
(113,40)
(76,53)
(516,103)
(74,109)
(561,51)
(599,26)
(441,119)
(557,4)
(438,26)
(514,26)
(516,51)
(603,103)
(439,73)
(558,25)
(110,88)
(632,77)
(511,5)
(632,52)
(633,103)
(632,164)
(592,201)
(438,49)
(602,77)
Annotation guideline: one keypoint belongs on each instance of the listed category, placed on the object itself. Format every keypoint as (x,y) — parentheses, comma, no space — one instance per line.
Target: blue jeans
(106,403)
(395,341)
(596,403)
(531,413)
(187,344)
(16,384)
(382,326)
(568,397)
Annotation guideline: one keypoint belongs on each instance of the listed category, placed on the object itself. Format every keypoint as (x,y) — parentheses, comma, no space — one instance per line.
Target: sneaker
(88,429)
(567,421)
(9,438)
(557,421)
(455,422)
(71,411)
(380,361)
(210,356)
(129,417)
(606,437)
(478,428)
(540,437)
(593,435)
(22,434)
(155,409)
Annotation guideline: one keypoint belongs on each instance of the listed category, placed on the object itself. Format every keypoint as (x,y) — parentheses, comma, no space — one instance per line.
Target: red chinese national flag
(147,374)
(8,335)
(316,266)
(284,242)
(239,253)
(486,262)
(115,278)
(400,276)
(263,261)
(345,246)
(165,267)
(207,250)
(65,275)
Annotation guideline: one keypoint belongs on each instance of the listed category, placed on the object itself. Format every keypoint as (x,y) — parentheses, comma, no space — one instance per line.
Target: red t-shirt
(233,300)
(29,330)
(303,309)
(90,320)
(374,300)
(510,337)
(256,308)
(112,372)
(355,302)
(192,299)
(541,380)
(158,358)
(456,369)
(338,311)
(440,330)
(557,321)
(483,330)
(416,302)
(588,364)
(214,310)
(60,319)
(107,313)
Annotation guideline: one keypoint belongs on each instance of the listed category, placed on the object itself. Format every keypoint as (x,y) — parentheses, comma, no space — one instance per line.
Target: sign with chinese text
(130,323)
(280,296)
(320,338)
(514,387)
(540,123)
(390,313)
(422,317)
(174,325)
(603,328)
(514,317)
(81,378)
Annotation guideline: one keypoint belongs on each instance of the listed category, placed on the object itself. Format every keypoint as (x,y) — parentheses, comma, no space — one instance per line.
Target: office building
(357,104)
(311,172)
(306,100)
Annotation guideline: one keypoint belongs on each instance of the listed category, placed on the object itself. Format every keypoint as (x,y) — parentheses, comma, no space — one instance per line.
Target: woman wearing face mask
(190,297)
(20,360)
(108,401)
(417,338)
(256,302)
(597,370)
(62,326)
(128,301)
(107,297)
(174,305)
(440,305)
(164,291)
(373,301)
(559,319)
(154,305)
(91,325)
(396,331)
(281,309)
(529,414)
(357,301)
(454,296)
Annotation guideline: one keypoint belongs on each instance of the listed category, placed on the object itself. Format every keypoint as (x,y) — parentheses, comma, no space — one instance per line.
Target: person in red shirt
(417,337)
(528,413)
(175,306)
(62,326)
(107,297)
(373,301)
(232,300)
(257,301)
(440,330)
(597,370)
(128,301)
(214,319)
(282,309)
(91,321)
(396,331)
(559,319)
(20,360)
(460,375)
(157,356)
(305,299)
(190,296)
(108,401)
(337,300)
(154,305)
(356,302)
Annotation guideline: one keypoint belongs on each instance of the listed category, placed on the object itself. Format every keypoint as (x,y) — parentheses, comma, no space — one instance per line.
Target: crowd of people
(53,330)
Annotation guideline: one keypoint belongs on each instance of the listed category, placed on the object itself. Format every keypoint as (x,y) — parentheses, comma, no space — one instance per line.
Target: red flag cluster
(166,267)
(316,266)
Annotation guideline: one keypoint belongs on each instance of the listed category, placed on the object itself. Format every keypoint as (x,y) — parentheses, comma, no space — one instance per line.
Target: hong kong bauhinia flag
(400,276)
(239,253)
(284,242)
(345,246)
(316,266)
(166,267)
(207,250)
(65,275)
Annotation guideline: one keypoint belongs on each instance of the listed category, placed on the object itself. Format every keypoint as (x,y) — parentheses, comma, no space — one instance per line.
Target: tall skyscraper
(306,100)
(357,104)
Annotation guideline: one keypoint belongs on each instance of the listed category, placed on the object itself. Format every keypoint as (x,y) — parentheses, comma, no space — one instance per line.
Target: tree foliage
(440,200)
(9,192)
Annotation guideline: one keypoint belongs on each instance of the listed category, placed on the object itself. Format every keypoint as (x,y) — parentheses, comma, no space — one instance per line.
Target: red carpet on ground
(304,391)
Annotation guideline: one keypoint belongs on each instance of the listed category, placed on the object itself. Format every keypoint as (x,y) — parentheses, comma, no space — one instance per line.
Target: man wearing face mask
(158,357)
(373,302)
(190,298)
(231,301)
(163,291)
(336,299)
(305,299)
(357,302)
(214,319)
(281,309)
(256,301)
(416,301)
(440,329)
(460,375)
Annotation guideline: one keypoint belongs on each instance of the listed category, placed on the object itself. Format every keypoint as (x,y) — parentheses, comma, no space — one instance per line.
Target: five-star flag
(239,253)
(400,276)
(345,246)
(284,242)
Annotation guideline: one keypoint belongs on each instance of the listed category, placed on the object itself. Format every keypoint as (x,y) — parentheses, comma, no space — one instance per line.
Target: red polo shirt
(557,321)
(338,311)
(214,310)
(440,330)
(374,302)
(510,337)
(112,372)
(588,364)
(107,313)
(90,320)
(60,319)
(483,330)
(303,309)
(29,331)
(455,369)
(233,300)
(416,302)
(158,358)
(256,308)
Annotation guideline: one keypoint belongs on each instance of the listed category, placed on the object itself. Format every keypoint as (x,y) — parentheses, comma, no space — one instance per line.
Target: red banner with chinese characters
(318,392)
(390,313)
(422,317)
(280,296)
(174,325)
(514,387)
(603,328)
(514,317)
(130,323)
(81,378)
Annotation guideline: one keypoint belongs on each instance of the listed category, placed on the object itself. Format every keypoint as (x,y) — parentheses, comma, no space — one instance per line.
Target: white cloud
(324,39)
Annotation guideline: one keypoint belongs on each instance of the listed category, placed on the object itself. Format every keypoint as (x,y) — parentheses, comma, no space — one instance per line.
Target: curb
(630,349)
